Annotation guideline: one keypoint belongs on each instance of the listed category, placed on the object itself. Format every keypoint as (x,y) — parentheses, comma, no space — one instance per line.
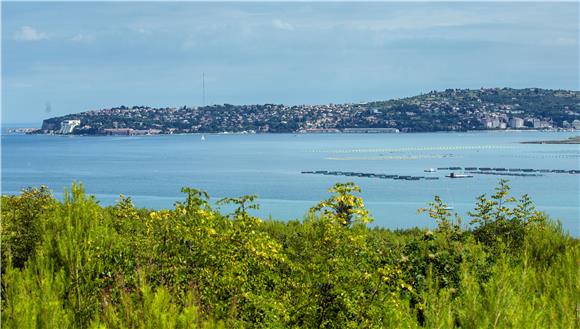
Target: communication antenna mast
(203,86)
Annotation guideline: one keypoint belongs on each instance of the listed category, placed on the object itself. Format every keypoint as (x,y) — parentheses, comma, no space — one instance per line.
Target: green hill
(449,110)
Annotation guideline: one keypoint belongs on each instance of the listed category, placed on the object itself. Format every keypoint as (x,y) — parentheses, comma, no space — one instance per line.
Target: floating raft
(368,175)
(503,173)
(498,171)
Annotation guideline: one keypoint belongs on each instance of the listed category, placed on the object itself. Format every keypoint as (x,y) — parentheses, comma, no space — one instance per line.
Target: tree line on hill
(449,110)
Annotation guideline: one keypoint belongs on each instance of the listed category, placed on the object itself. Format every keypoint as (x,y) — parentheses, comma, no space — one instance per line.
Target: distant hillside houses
(449,110)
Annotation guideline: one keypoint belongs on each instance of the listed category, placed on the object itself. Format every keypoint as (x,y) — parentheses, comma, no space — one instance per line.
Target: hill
(449,110)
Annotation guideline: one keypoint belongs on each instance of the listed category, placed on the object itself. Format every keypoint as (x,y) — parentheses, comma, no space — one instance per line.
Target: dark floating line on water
(367,175)
(500,171)
(518,172)
(503,174)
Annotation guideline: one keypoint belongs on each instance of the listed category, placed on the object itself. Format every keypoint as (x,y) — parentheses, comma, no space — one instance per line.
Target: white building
(516,123)
(67,126)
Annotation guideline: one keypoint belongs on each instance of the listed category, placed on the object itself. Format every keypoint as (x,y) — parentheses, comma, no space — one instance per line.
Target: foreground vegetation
(78,264)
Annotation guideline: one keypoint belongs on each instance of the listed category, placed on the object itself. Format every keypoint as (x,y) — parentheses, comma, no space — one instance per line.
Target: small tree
(21,223)
(498,223)
(343,206)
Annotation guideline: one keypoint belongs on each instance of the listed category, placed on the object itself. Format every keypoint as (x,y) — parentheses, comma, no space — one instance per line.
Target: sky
(68,57)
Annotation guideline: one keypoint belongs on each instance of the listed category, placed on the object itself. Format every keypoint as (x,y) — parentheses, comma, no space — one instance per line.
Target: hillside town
(449,110)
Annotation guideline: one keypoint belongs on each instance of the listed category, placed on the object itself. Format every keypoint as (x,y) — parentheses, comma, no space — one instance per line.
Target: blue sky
(78,56)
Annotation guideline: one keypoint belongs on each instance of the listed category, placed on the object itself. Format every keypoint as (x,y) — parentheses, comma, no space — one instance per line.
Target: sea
(152,170)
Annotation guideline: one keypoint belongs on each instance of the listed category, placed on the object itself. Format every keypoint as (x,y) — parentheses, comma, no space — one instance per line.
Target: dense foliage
(77,264)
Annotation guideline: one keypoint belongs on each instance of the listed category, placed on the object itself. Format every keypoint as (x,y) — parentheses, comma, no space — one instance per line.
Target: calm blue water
(152,169)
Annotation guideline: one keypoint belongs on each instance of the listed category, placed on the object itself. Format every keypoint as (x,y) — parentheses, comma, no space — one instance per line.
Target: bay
(152,169)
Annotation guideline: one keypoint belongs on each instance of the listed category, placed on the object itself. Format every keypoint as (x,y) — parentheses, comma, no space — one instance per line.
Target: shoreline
(569,141)
(19,131)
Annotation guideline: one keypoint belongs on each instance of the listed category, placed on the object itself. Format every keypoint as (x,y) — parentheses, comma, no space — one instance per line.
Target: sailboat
(202,138)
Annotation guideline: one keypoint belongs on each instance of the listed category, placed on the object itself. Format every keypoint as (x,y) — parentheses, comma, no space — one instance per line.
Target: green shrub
(21,223)
(76,264)
(501,226)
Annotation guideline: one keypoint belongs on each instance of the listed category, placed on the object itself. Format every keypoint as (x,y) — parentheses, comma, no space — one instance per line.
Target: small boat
(430,170)
(454,175)
(448,208)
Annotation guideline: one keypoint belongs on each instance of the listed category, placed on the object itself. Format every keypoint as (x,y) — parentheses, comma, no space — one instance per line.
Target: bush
(77,264)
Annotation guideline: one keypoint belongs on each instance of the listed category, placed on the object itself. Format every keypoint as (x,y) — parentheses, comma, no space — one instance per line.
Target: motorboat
(454,175)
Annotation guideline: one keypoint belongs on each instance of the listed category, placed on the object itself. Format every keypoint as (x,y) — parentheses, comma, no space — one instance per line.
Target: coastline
(14,130)
(568,141)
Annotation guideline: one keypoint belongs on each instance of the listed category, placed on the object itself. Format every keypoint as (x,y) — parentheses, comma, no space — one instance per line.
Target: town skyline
(448,110)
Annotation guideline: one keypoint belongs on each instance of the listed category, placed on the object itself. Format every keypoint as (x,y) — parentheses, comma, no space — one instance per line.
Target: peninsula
(571,140)
(448,110)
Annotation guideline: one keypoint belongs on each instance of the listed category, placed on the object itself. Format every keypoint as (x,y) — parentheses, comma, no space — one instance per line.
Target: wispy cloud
(83,38)
(282,25)
(28,33)
(566,41)
(143,27)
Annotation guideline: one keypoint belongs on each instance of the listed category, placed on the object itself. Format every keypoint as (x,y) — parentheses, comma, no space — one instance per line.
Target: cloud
(566,41)
(28,33)
(282,25)
(143,28)
(82,38)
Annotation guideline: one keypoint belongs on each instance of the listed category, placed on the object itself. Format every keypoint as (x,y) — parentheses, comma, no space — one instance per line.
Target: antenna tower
(203,86)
